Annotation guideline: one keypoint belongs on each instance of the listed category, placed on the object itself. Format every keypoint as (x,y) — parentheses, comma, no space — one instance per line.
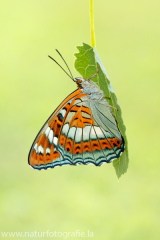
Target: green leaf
(86,64)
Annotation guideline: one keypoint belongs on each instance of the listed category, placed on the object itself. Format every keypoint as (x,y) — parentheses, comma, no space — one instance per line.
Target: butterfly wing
(74,143)
(90,134)
(43,153)
(107,132)
(80,131)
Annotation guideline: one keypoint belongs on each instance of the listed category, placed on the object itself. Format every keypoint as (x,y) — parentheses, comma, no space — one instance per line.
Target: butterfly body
(82,130)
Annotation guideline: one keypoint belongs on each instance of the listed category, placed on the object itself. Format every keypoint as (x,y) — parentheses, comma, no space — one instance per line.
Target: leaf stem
(93,43)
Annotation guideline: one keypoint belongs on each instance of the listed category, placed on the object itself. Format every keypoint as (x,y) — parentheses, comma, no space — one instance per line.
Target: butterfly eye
(79,81)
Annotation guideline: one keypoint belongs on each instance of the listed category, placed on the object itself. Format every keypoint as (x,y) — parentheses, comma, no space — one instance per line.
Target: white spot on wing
(50,136)
(71,132)
(55,140)
(86,132)
(65,129)
(63,112)
(92,134)
(99,132)
(35,147)
(78,135)
(48,150)
(47,131)
(40,149)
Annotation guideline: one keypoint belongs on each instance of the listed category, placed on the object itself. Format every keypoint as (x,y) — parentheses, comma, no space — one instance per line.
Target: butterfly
(81,130)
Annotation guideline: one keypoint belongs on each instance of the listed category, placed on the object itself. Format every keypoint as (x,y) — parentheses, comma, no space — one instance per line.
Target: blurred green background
(83,197)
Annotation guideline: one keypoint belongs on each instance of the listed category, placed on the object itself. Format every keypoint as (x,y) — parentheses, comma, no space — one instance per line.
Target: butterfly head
(79,82)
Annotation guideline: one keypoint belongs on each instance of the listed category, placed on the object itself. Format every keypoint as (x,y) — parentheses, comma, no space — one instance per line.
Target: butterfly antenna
(65,63)
(61,67)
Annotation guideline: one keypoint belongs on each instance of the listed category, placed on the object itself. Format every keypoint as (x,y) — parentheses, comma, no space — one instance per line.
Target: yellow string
(93,43)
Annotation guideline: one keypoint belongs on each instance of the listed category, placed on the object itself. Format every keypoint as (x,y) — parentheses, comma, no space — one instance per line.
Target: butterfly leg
(107,98)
